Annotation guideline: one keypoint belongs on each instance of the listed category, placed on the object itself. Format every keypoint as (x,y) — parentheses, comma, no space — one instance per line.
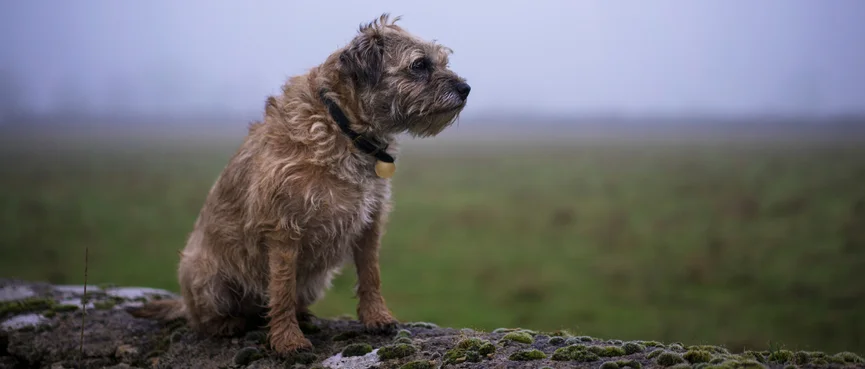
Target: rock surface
(41,327)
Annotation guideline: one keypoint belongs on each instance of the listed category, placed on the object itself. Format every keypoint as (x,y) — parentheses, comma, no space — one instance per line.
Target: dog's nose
(463,89)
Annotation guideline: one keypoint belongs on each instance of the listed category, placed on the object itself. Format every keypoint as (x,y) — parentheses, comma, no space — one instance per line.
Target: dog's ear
(363,59)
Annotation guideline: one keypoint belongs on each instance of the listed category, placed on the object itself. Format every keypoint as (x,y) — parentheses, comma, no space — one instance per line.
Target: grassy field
(749,244)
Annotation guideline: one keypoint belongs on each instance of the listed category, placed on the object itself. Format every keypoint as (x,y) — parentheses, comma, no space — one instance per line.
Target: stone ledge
(40,327)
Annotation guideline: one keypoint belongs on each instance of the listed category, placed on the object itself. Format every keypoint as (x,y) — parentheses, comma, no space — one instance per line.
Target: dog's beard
(432,124)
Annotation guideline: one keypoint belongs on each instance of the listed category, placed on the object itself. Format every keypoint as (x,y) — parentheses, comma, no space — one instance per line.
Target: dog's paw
(380,322)
(290,347)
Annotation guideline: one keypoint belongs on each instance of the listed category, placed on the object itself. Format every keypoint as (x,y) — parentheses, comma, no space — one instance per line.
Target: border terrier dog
(309,189)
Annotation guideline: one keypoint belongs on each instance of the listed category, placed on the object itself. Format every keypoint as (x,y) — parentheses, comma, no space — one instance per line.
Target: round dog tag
(384,170)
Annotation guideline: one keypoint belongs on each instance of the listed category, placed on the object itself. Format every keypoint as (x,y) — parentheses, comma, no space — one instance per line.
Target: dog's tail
(164,310)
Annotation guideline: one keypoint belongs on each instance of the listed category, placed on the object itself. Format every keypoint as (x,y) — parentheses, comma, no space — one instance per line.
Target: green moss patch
(781,356)
(403,333)
(557,341)
(471,350)
(669,359)
(655,353)
(607,351)
(697,356)
(471,343)
(418,364)
(521,337)
(247,355)
(25,306)
(357,349)
(710,348)
(302,357)
(577,353)
(653,344)
(734,364)
(621,364)
(405,340)
(849,357)
(527,355)
(633,348)
(396,351)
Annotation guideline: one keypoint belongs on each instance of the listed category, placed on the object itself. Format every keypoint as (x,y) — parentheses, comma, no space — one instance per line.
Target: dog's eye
(419,65)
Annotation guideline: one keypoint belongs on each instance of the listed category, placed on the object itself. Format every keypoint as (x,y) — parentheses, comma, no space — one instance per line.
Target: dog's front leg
(371,309)
(284,331)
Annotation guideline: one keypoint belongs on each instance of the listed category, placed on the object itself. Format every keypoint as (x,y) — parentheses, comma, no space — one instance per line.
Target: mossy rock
(556,341)
(759,356)
(609,365)
(633,364)
(710,348)
(607,351)
(697,356)
(356,349)
(469,349)
(27,305)
(302,358)
(404,340)
(633,348)
(455,356)
(521,337)
(247,355)
(418,364)
(669,359)
(734,364)
(396,351)
(849,358)
(472,343)
(653,344)
(527,355)
(781,357)
(577,353)
(655,353)
(403,333)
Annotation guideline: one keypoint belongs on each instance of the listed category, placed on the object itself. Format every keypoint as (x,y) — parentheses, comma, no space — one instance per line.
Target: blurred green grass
(746,244)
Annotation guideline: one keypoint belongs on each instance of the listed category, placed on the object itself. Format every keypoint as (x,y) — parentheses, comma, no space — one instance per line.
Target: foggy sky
(555,56)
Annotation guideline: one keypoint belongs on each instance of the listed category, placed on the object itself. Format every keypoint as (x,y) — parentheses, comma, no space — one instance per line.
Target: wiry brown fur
(298,200)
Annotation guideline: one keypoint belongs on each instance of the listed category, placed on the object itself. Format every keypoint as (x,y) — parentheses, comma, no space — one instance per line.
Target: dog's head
(402,83)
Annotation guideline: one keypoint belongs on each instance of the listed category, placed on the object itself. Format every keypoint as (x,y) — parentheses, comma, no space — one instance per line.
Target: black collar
(363,143)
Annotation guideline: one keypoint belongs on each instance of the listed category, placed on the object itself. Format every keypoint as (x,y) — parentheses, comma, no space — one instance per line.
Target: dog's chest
(352,209)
